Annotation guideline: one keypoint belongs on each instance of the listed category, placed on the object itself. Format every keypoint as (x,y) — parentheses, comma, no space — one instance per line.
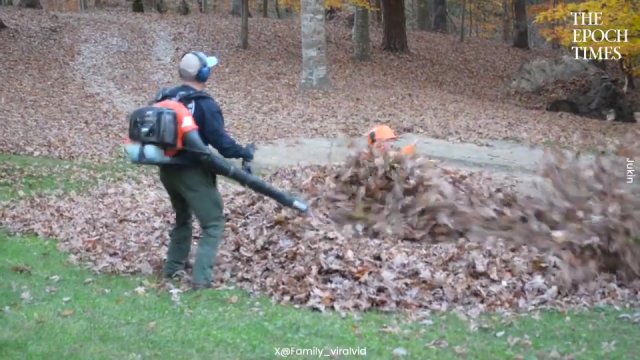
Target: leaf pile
(503,251)
(410,198)
(373,241)
(591,216)
(116,227)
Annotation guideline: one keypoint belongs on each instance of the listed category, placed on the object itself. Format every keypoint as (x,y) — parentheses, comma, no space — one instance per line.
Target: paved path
(497,156)
(507,163)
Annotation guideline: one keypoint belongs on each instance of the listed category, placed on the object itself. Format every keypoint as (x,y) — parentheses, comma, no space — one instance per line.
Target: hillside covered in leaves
(75,106)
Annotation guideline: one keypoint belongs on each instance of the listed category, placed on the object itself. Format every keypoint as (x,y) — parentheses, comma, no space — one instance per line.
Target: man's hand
(246,162)
(251,149)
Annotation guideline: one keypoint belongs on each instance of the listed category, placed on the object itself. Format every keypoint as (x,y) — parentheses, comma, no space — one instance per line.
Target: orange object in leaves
(382,138)
(381,133)
(186,123)
(409,149)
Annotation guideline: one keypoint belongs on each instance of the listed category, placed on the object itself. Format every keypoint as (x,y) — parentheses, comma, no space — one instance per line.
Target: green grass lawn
(55,310)
(27,176)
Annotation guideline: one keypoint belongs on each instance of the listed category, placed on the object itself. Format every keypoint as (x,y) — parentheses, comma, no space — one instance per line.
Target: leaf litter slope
(101,64)
(387,232)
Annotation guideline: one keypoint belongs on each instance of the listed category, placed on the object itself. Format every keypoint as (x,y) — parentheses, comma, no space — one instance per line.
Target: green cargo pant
(193,189)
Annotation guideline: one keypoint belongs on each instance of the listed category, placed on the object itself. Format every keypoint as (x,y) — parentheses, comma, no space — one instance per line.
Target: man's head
(195,68)
(383,138)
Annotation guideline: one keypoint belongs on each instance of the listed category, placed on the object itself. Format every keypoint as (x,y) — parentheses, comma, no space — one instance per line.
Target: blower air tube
(219,166)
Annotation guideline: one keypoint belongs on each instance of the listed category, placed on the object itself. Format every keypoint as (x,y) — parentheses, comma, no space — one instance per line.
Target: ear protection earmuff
(204,72)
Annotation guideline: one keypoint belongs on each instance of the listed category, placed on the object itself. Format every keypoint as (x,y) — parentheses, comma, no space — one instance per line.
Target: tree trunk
(265,8)
(378,12)
(470,20)
(451,24)
(137,6)
(314,45)
(409,14)
(394,30)
(507,27)
(520,28)
(555,45)
(361,41)
(440,15)
(244,27)
(625,67)
(277,6)
(423,17)
(464,10)
(236,7)
(183,8)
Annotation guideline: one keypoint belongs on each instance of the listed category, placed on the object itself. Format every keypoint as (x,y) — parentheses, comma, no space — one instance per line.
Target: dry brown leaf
(22,269)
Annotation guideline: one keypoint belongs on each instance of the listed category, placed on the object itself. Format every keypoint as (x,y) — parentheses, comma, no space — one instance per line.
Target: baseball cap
(190,64)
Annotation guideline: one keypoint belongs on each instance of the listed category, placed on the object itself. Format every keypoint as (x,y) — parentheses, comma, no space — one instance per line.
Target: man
(192,188)
(382,137)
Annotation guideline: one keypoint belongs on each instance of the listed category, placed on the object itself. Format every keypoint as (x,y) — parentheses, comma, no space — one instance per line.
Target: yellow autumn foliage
(622,15)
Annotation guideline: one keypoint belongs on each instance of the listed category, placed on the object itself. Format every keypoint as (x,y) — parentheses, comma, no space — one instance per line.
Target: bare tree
(555,45)
(440,15)
(244,27)
(507,27)
(394,26)
(378,12)
(314,45)
(361,40)
(520,26)
(423,17)
(236,7)
(470,17)
(464,10)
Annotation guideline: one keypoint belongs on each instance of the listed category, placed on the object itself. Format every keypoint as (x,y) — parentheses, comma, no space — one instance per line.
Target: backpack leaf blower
(158,132)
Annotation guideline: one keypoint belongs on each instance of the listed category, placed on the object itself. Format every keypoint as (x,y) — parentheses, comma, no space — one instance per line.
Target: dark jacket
(208,117)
